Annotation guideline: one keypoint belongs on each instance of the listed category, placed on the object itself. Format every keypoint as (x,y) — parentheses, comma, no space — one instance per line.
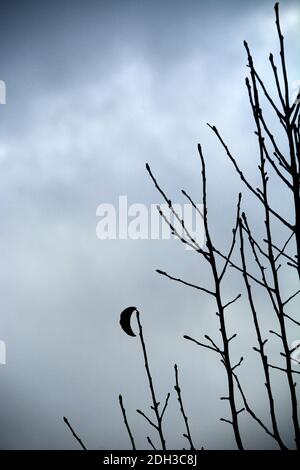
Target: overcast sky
(95,89)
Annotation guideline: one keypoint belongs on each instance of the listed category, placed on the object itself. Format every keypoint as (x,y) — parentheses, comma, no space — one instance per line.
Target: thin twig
(126,422)
(185,418)
(74,433)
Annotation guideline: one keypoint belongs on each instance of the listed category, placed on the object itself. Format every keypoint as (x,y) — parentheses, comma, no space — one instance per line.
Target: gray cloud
(95,90)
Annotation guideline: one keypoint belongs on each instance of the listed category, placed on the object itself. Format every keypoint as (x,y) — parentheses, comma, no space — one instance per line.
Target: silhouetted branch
(284,370)
(256,109)
(234,231)
(275,334)
(246,182)
(178,391)
(126,422)
(155,403)
(227,421)
(202,344)
(225,353)
(238,364)
(192,202)
(286,103)
(232,301)
(281,251)
(151,443)
(292,319)
(192,244)
(290,298)
(171,207)
(287,169)
(238,268)
(74,434)
(274,68)
(163,273)
(165,406)
(250,411)
(140,412)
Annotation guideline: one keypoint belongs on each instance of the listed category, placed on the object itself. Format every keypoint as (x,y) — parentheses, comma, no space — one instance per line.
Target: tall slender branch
(155,403)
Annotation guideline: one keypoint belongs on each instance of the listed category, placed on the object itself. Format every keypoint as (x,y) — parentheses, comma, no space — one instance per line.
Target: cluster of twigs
(155,407)
(266,255)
